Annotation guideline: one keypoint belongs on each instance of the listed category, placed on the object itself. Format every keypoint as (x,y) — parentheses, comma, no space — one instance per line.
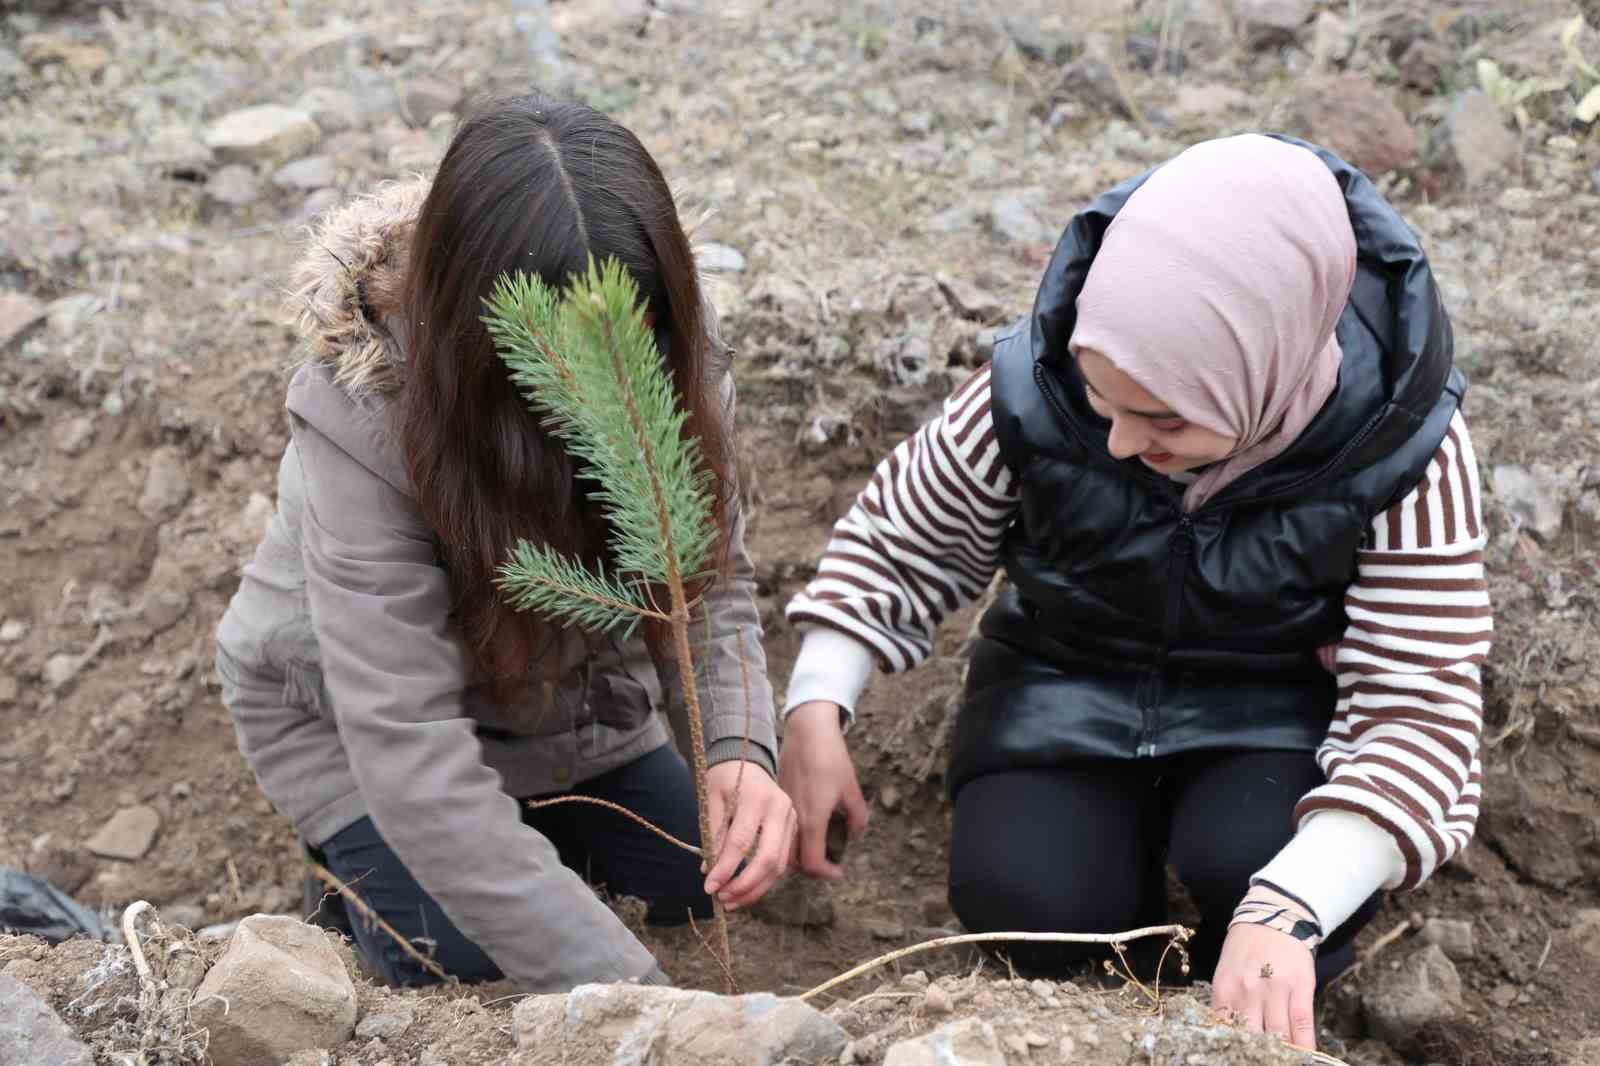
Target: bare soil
(851,157)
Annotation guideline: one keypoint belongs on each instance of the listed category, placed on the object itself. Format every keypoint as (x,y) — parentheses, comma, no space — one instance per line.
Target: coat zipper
(1150,693)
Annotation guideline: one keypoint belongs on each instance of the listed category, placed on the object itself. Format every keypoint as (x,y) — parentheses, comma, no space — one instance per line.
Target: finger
(741,836)
(1275,1008)
(814,848)
(1253,1012)
(761,872)
(1302,1016)
(855,808)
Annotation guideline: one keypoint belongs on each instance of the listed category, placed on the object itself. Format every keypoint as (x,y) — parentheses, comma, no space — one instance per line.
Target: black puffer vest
(1131,629)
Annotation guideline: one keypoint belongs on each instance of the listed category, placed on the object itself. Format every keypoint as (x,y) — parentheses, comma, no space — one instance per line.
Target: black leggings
(599,844)
(1084,849)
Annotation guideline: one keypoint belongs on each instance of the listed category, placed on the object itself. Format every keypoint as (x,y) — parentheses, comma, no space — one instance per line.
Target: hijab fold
(1218,288)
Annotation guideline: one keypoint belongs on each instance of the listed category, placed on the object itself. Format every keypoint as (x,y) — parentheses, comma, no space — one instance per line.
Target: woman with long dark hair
(388,700)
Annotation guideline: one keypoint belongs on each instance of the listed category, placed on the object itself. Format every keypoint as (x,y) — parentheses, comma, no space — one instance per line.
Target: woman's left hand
(761,836)
(1267,979)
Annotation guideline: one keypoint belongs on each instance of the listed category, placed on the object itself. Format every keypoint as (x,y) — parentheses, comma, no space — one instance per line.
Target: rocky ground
(882,184)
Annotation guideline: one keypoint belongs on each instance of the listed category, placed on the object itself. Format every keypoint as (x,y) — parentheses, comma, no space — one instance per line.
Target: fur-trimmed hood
(348,284)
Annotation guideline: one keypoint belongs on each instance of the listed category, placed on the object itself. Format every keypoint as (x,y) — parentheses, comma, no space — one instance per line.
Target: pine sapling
(588,363)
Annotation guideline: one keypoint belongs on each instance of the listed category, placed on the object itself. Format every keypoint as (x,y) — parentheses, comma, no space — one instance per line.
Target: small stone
(886,930)
(333,110)
(163,608)
(310,1057)
(19,312)
(1504,995)
(32,1034)
(1481,142)
(318,203)
(267,132)
(234,185)
(166,486)
(1453,936)
(1035,1039)
(719,259)
(797,903)
(968,1042)
(73,436)
(890,798)
(415,151)
(916,123)
(937,1001)
(1330,41)
(1208,104)
(1017,1045)
(1014,221)
(46,49)
(12,630)
(1349,114)
(427,97)
(1425,988)
(1269,23)
(182,790)
(128,835)
(1535,498)
(279,988)
(384,1026)
(311,172)
(61,668)
(431,1057)
(9,690)
(935,908)
(1422,64)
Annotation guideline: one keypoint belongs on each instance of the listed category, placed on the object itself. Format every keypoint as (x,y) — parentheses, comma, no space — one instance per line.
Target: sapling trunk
(587,362)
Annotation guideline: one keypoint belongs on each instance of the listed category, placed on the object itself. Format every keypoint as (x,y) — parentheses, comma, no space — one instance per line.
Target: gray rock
(968,1042)
(1453,936)
(317,203)
(416,151)
(887,930)
(1536,498)
(936,1000)
(333,110)
(916,123)
(166,485)
(279,988)
(129,834)
(427,96)
(1425,988)
(1480,141)
(234,185)
(269,132)
(19,313)
(178,148)
(31,1034)
(633,1025)
(1012,220)
(1035,41)
(719,259)
(164,607)
(385,1026)
(1268,23)
(73,436)
(310,172)
(12,630)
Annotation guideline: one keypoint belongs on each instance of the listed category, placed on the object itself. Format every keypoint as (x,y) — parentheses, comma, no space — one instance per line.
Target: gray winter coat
(352,692)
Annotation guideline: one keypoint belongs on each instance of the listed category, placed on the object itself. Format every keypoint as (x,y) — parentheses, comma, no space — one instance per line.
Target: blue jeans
(605,847)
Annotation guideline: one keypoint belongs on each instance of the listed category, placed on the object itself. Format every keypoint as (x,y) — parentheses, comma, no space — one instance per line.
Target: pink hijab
(1217,289)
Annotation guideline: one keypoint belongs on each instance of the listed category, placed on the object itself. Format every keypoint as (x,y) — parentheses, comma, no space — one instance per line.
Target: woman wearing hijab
(1222,466)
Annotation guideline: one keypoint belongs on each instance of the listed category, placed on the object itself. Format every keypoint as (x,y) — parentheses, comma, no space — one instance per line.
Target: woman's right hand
(814,768)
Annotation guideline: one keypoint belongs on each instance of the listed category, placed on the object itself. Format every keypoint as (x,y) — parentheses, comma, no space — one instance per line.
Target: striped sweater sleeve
(922,540)
(1402,754)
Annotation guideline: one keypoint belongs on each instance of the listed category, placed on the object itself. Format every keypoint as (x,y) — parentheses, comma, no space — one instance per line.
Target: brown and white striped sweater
(1401,756)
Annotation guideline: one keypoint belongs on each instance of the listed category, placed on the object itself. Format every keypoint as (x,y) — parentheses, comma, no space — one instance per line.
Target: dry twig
(327,877)
(1372,949)
(1176,932)
(593,801)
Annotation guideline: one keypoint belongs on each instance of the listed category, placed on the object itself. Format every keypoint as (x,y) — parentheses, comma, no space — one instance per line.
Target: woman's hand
(1267,979)
(814,768)
(761,836)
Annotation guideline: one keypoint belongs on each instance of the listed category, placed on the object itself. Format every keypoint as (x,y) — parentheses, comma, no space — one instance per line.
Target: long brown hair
(535,185)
